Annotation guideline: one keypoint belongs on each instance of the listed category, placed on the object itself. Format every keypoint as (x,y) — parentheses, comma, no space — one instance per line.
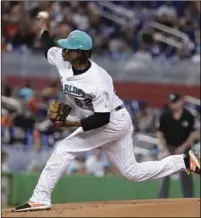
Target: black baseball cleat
(192,162)
(32,206)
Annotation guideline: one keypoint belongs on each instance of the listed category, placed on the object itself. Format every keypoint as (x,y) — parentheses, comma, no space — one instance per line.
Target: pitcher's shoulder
(101,72)
(54,50)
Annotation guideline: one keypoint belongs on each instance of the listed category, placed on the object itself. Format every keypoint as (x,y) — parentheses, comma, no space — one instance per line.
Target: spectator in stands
(142,54)
(4,165)
(6,90)
(80,19)
(119,49)
(23,36)
(144,119)
(19,17)
(27,91)
(197,42)
(166,13)
(6,118)
(167,9)
(196,56)
(192,11)
(96,163)
(6,126)
(25,120)
(51,91)
(35,103)
(34,166)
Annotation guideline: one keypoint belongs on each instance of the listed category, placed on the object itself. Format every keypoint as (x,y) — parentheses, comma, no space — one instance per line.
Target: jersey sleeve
(54,55)
(101,103)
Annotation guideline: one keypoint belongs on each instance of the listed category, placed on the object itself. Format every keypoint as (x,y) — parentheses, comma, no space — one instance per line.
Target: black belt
(119,107)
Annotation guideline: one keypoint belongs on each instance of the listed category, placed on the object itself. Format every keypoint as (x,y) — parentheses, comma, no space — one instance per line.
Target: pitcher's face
(69,55)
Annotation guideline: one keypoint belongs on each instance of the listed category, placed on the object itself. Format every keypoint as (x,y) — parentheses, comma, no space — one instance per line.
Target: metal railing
(116,13)
(184,41)
(133,69)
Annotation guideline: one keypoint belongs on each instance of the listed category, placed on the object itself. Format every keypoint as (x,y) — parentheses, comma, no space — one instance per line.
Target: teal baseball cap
(77,40)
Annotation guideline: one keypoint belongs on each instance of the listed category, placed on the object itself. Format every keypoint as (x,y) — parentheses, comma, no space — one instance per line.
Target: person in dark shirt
(176,134)
(23,37)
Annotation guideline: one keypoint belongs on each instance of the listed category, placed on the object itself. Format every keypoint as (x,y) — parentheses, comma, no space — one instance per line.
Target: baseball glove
(58,112)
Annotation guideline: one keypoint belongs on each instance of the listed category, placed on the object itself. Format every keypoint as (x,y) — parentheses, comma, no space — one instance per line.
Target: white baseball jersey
(86,93)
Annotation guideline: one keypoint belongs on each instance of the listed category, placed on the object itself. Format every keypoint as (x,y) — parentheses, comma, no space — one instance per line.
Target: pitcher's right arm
(50,49)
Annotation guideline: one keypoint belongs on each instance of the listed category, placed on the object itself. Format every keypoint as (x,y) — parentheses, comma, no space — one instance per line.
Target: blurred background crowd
(170,29)
(146,29)
(26,130)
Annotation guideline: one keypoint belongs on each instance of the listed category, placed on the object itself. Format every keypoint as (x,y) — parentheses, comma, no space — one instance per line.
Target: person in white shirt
(4,164)
(95,163)
(102,120)
(167,10)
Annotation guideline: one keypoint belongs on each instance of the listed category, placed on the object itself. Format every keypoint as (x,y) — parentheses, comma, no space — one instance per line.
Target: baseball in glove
(57,112)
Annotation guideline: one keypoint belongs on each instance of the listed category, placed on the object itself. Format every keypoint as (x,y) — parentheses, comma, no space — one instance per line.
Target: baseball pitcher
(103,121)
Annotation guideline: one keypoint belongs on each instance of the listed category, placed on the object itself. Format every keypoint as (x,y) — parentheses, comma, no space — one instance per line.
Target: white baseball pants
(116,141)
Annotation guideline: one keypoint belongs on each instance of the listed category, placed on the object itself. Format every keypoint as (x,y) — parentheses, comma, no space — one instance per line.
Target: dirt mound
(135,208)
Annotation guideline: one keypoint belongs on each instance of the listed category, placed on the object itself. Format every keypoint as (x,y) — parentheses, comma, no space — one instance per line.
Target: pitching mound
(135,208)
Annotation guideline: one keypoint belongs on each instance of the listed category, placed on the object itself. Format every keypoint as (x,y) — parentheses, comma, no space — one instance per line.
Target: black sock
(187,161)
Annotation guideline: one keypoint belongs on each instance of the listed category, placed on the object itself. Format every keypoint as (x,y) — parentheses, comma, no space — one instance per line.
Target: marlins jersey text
(87,93)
